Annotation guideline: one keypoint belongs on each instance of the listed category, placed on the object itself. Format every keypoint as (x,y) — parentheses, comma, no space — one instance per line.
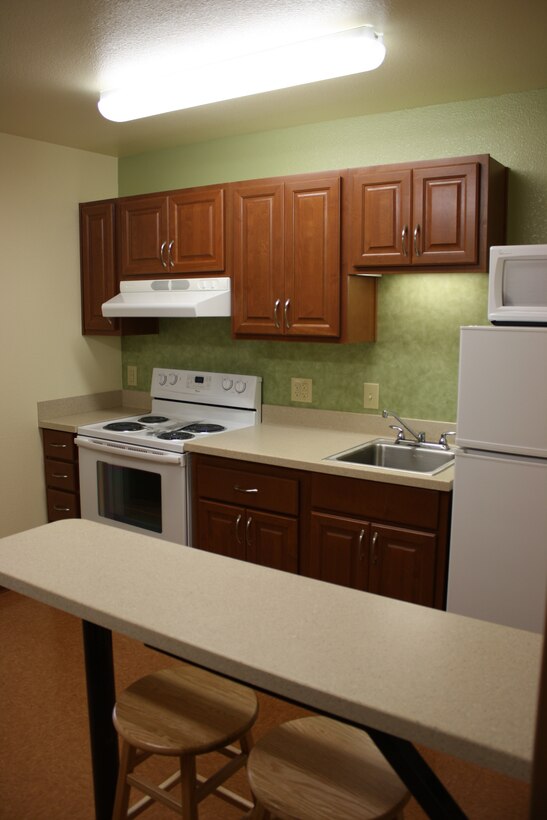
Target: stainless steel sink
(385,453)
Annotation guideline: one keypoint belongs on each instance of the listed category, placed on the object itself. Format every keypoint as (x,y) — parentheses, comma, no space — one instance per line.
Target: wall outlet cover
(301,390)
(371,396)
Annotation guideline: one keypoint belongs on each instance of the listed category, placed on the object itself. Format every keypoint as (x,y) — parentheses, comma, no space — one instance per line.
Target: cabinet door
(340,548)
(381,217)
(445,215)
(221,529)
(98,273)
(272,540)
(196,231)
(258,284)
(311,305)
(402,564)
(142,236)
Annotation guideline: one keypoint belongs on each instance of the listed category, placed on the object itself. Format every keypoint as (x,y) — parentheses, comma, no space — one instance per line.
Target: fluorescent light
(335,55)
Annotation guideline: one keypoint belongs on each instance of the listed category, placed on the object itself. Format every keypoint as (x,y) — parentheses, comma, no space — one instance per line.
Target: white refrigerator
(498,546)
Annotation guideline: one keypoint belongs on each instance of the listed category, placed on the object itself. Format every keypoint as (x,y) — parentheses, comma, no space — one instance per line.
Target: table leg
(101,697)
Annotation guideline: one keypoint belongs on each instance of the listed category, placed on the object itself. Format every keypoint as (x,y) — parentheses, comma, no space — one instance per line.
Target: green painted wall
(416,356)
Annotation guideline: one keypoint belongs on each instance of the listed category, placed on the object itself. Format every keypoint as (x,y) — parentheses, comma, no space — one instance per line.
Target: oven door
(135,488)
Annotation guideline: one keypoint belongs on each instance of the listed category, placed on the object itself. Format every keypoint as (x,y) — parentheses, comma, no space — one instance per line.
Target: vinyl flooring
(44,751)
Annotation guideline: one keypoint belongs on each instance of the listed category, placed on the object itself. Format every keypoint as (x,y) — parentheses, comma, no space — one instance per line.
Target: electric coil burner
(132,470)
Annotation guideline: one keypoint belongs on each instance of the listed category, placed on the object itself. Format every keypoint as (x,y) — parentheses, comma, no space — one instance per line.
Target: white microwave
(517,285)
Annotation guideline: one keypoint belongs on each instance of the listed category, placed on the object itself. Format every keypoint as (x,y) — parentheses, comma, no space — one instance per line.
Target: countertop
(287,437)
(463,686)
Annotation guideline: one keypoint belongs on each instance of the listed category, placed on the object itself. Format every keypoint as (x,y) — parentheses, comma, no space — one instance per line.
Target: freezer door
(502,390)
(498,547)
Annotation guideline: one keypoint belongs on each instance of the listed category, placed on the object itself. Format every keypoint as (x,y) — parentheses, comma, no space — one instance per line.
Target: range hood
(171,297)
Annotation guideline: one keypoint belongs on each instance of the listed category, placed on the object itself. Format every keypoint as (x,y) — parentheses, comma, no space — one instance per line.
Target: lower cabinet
(61,473)
(262,527)
(384,538)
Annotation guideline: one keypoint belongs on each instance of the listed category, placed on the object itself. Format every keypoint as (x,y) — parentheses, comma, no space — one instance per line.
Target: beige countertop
(287,437)
(465,687)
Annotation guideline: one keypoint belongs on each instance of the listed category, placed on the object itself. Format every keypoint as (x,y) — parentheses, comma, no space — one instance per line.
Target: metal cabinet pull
(373,550)
(245,490)
(61,446)
(162,255)
(169,253)
(286,313)
(416,235)
(248,530)
(404,235)
(59,475)
(277,303)
(360,545)
(238,533)
(61,509)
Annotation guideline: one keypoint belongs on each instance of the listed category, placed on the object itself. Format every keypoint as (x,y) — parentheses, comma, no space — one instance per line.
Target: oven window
(130,496)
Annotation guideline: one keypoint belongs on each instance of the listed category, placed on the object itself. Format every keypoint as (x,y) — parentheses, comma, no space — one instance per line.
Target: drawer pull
(360,543)
(248,530)
(61,509)
(62,446)
(245,490)
(59,475)
(238,533)
(373,550)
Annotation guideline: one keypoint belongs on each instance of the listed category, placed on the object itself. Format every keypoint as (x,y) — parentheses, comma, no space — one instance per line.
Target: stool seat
(316,768)
(183,712)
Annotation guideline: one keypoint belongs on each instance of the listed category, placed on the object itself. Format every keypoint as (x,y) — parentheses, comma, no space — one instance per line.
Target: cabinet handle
(360,545)
(238,534)
(59,475)
(404,235)
(416,235)
(61,509)
(61,446)
(169,254)
(276,312)
(373,550)
(162,255)
(248,530)
(286,313)
(244,490)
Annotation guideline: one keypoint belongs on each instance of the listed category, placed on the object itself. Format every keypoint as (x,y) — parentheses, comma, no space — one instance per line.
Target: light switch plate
(132,375)
(371,396)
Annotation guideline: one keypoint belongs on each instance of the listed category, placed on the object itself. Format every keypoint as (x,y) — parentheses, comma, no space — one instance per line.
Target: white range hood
(171,298)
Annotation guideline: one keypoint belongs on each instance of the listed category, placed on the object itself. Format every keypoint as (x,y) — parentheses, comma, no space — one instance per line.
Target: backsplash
(414,360)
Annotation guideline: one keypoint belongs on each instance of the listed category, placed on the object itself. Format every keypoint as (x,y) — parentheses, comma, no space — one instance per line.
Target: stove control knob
(240,386)
(173,378)
(162,379)
(227,383)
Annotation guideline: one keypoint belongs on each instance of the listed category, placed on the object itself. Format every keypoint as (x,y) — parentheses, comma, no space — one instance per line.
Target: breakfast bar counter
(406,673)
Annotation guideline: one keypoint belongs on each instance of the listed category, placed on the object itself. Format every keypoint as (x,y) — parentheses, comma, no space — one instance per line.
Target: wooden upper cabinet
(172,234)
(98,274)
(445,214)
(286,277)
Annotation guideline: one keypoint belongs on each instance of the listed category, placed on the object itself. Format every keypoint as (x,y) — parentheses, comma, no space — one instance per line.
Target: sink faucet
(420,437)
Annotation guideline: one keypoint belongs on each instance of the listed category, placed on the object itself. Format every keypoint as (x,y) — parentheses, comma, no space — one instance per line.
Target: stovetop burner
(174,435)
(153,419)
(204,427)
(124,426)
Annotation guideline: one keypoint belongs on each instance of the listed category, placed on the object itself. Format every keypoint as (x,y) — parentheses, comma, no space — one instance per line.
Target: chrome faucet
(420,437)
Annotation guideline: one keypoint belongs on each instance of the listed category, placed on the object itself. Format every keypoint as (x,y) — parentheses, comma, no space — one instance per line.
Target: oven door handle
(130,451)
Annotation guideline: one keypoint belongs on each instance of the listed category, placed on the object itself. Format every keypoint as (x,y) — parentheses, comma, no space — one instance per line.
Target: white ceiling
(56,56)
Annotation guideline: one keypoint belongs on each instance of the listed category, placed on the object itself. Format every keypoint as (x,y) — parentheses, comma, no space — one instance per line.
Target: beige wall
(42,352)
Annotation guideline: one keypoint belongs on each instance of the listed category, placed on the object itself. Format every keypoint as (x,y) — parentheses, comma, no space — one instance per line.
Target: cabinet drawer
(59,444)
(249,489)
(62,505)
(61,474)
(374,500)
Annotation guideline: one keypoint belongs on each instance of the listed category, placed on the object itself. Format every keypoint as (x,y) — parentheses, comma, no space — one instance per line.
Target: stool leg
(127,764)
(189,809)
(246,742)
(259,813)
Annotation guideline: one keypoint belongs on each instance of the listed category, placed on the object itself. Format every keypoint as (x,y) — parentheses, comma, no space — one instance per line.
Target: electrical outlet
(132,375)
(371,396)
(301,390)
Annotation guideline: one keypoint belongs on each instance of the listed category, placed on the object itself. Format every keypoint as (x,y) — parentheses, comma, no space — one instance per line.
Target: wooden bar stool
(182,712)
(315,768)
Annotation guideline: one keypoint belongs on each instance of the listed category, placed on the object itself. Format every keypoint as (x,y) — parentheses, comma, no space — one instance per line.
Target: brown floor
(44,757)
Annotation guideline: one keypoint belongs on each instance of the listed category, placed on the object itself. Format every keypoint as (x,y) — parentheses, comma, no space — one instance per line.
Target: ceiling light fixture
(334,55)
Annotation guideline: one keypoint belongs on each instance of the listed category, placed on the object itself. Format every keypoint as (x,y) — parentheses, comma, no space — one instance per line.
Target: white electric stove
(133,469)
